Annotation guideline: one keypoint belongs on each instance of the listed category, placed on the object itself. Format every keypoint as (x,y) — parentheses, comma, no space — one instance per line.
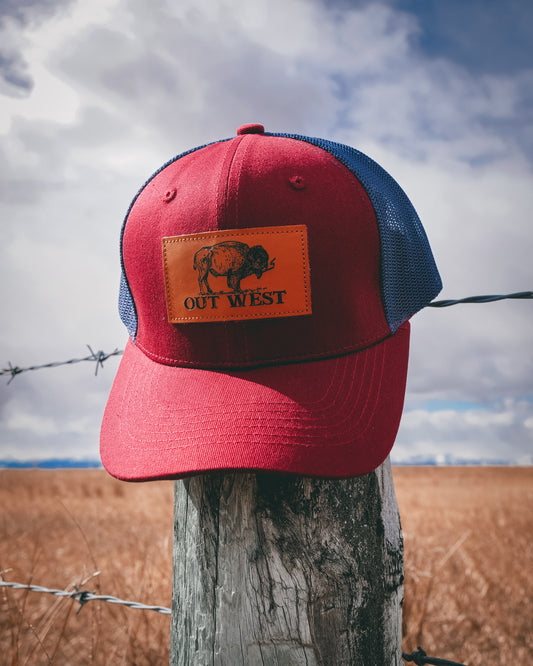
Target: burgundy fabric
(246,183)
(320,394)
(330,418)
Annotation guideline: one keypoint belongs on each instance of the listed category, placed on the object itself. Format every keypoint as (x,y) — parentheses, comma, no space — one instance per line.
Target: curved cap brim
(336,417)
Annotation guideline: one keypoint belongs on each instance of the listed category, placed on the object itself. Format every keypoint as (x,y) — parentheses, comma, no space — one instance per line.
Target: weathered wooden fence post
(285,570)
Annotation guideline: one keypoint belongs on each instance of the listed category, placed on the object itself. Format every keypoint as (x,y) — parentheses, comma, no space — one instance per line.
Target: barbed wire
(99,357)
(418,657)
(84,596)
(480,299)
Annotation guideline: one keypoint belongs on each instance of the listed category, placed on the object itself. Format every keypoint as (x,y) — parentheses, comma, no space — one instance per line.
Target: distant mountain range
(444,461)
(50,463)
(454,461)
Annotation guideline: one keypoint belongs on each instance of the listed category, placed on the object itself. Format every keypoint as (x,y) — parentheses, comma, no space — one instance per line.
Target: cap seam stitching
(204,365)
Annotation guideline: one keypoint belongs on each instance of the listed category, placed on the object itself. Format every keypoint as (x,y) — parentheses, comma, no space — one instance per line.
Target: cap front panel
(257,181)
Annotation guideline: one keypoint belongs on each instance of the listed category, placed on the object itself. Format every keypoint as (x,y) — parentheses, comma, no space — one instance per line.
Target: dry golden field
(468,559)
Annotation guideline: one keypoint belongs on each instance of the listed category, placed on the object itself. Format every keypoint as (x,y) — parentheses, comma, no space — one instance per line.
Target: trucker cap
(267,285)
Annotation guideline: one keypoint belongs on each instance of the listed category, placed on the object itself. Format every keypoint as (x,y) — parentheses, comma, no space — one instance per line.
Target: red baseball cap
(267,285)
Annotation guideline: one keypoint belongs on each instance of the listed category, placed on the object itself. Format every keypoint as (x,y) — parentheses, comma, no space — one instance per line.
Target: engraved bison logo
(233,259)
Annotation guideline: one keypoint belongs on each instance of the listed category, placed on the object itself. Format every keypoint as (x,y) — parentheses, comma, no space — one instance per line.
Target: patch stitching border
(300,229)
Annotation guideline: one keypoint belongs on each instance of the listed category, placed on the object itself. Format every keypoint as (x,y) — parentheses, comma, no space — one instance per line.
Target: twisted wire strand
(420,658)
(84,596)
(97,357)
(490,298)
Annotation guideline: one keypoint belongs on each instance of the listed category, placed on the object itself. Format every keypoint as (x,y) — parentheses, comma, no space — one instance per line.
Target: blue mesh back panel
(126,304)
(409,276)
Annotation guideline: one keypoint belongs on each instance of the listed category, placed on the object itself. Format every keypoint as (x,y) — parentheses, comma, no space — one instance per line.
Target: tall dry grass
(468,556)
(468,561)
(65,528)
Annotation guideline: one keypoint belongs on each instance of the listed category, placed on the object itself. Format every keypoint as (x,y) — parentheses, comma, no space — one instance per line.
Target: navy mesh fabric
(409,276)
(126,304)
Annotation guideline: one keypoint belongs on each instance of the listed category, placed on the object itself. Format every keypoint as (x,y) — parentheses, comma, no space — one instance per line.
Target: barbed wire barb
(100,357)
(81,596)
(13,371)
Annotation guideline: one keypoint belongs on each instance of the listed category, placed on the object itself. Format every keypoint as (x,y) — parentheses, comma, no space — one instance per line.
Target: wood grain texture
(283,570)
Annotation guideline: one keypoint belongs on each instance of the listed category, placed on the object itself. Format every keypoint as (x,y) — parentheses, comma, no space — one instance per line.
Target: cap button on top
(251,128)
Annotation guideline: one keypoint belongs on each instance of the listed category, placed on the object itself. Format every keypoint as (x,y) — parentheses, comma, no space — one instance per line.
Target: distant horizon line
(416,461)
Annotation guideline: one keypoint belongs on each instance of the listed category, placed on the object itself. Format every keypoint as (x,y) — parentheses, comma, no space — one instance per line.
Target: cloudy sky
(95,96)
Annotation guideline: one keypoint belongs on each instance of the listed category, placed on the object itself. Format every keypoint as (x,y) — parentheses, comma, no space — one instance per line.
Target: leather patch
(237,274)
